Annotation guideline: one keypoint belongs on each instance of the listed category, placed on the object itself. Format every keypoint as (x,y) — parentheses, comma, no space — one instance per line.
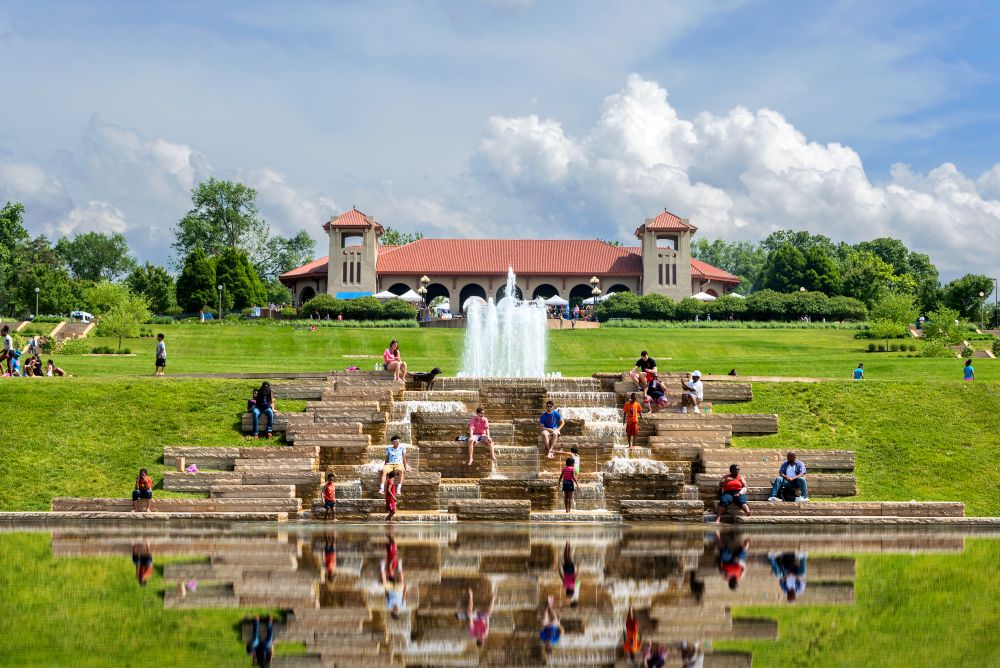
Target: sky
(512,118)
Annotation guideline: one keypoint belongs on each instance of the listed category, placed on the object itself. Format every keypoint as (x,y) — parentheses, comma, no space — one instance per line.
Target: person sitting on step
(791,476)
(143,491)
(694,392)
(733,487)
(264,405)
(656,394)
(395,462)
(551,423)
(643,370)
(479,432)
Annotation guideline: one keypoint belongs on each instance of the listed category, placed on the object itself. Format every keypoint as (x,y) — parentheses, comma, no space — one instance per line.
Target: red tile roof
(666,222)
(353,219)
(449,257)
(705,271)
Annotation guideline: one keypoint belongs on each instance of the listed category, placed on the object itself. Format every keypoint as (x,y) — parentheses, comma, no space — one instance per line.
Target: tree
(239,280)
(766,305)
(155,284)
(895,307)
(35,265)
(868,277)
(392,237)
(962,294)
(196,284)
(12,235)
(801,240)
(614,243)
(95,256)
(397,309)
(323,305)
(124,318)
(821,273)
(942,326)
(103,297)
(847,308)
(655,306)
(285,254)
(742,258)
(620,305)
(275,292)
(785,269)
(223,215)
(726,306)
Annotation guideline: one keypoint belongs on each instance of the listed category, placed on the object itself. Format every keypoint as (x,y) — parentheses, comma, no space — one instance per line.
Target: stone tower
(666,255)
(353,253)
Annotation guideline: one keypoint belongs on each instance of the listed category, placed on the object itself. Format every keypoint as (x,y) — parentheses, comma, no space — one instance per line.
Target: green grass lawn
(910,610)
(216,348)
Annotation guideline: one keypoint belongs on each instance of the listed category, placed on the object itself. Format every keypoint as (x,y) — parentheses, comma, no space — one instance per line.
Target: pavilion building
(358,265)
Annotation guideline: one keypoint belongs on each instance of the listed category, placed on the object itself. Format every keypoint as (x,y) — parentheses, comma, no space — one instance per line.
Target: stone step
(128,518)
(542,494)
(347,406)
(421,491)
(323,430)
(491,510)
(741,424)
(820,484)
(768,460)
(636,486)
(281,421)
(264,505)
(858,509)
(594,516)
(662,511)
(583,399)
(252,491)
(271,464)
(454,492)
(449,458)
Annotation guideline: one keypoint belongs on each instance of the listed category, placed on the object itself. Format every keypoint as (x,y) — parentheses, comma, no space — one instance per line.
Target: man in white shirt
(694,393)
(395,460)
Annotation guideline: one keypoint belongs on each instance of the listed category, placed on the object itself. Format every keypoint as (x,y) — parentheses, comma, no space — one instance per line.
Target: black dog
(427,378)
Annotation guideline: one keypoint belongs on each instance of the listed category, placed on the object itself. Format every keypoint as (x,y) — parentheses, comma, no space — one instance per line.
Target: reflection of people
(479,622)
(142,559)
(329,497)
(551,628)
(567,571)
(631,646)
(790,569)
(732,557)
(692,655)
(330,555)
(654,655)
(393,580)
(261,650)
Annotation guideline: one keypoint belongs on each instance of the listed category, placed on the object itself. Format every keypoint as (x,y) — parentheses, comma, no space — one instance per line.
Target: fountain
(505,339)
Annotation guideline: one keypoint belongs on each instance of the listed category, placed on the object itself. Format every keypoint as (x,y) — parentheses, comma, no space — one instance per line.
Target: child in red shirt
(390,496)
(569,482)
(329,498)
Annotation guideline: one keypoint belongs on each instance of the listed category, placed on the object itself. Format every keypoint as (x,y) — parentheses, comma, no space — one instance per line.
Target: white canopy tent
(411,296)
(385,294)
(590,301)
(737,295)
(556,300)
(703,297)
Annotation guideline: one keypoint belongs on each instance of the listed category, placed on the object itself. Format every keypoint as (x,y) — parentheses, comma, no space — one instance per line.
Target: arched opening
(349,240)
(470,290)
(306,295)
(436,290)
(711,292)
(617,288)
(667,242)
(502,292)
(399,288)
(578,294)
(544,291)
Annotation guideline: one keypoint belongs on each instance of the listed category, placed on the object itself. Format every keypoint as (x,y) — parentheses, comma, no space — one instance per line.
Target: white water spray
(505,340)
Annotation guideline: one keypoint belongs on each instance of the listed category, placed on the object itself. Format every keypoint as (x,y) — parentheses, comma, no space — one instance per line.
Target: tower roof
(353,220)
(666,222)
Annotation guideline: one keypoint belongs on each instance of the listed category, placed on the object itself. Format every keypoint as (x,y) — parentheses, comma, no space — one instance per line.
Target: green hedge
(764,305)
(729,324)
(358,324)
(362,308)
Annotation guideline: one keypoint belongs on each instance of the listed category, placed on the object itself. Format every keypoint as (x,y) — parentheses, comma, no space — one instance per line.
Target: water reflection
(461,596)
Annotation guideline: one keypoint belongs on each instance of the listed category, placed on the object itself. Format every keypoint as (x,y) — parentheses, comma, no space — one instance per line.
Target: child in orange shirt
(329,498)
(633,409)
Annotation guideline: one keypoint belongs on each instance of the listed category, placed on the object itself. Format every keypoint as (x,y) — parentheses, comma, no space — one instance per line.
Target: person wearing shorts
(969,373)
(479,621)
(568,574)
(568,481)
(631,413)
(551,423)
(479,432)
(733,489)
(261,650)
(161,356)
(329,497)
(8,348)
(143,491)
(390,497)
(551,630)
(656,394)
(395,462)
(643,371)
(142,559)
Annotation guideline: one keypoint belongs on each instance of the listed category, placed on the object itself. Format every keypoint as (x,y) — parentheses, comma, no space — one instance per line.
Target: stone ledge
(491,509)
(60,516)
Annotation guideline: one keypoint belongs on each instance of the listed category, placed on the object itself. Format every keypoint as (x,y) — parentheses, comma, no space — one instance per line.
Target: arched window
(470,290)
(544,291)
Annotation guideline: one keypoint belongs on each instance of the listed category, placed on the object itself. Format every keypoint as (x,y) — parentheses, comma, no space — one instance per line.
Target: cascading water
(505,340)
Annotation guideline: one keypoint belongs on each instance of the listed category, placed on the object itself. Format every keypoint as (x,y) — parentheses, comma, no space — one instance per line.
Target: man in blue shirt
(859,373)
(792,474)
(552,422)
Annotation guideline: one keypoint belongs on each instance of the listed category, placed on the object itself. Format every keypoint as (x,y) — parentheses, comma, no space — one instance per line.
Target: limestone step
(449,458)
(635,486)
(128,518)
(666,511)
(252,491)
(858,509)
(323,430)
(542,494)
(271,464)
(421,491)
(453,491)
(281,421)
(768,460)
(595,516)
(491,509)
(759,485)
(583,399)
(346,406)
(743,424)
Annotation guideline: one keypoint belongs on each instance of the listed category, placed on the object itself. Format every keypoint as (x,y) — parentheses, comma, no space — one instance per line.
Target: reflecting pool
(498,595)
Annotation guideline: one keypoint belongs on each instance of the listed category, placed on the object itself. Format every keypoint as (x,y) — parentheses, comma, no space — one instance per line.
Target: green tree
(123,318)
(285,254)
(223,215)
(393,237)
(275,292)
(799,239)
(103,297)
(323,305)
(155,284)
(397,309)
(821,273)
(741,258)
(943,326)
(895,307)
(620,305)
(196,284)
(868,277)
(785,269)
(13,235)
(96,257)
(655,306)
(239,280)
(35,265)
(766,305)
(962,294)
(726,306)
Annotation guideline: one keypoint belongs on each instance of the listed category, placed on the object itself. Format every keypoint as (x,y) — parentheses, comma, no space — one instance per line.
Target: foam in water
(402,410)
(623,465)
(505,340)
(592,414)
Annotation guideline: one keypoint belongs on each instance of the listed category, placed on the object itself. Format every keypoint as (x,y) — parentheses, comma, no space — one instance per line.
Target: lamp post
(37,290)
(422,290)
(220,300)
(996,310)
(982,309)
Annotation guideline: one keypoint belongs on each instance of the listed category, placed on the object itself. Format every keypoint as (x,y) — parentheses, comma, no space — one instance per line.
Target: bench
(491,510)
(229,505)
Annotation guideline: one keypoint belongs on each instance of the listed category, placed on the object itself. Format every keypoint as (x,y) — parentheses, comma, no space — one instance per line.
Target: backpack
(788,492)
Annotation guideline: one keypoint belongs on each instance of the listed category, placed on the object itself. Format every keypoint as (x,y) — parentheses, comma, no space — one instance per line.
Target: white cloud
(288,209)
(738,175)
(93,217)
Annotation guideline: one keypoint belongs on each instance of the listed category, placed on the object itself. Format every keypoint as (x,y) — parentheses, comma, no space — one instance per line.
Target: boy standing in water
(390,496)
(632,411)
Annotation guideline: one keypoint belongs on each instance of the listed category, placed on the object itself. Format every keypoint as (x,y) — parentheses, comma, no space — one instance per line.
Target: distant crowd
(32,366)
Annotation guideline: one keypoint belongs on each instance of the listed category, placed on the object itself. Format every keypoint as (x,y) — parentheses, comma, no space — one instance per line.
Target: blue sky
(512,118)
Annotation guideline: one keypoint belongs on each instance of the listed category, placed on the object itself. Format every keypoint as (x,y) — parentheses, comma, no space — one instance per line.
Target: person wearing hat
(694,393)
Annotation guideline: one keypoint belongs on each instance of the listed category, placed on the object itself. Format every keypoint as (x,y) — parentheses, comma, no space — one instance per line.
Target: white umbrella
(703,297)
(737,295)
(411,296)
(385,294)
(556,300)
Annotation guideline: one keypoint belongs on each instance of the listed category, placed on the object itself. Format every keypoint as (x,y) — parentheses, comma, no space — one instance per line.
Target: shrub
(233,317)
(288,312)
(913,347)
(688,308)
(397,309)
(996,348)
(49,318)
(70,347)
(174,310)
(161,320)
(126,351)
(967,351)
(766,305)
(941,325)
(871,347)
(322,305)
(814,305)
(847,308)
(363,308)
(936,348)
(620,305)
(655,307)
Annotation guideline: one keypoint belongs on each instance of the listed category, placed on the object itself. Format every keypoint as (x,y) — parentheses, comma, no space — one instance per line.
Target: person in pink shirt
(479,621)
(479,432)
(393,361)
